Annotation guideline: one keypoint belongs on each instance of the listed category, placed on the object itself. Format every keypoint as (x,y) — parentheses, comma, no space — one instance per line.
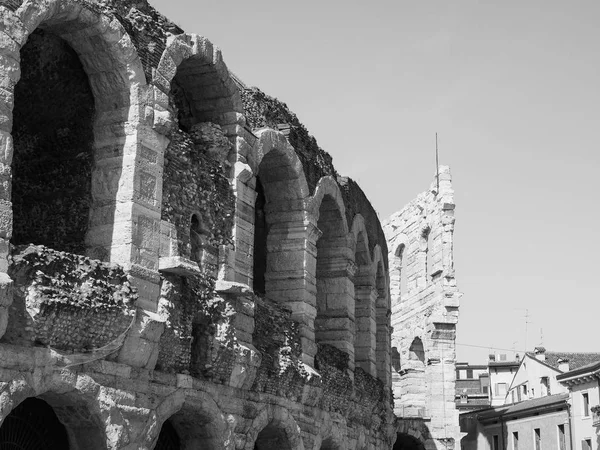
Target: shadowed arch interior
(33,425)
(278,192)
(416,352)
(272,437)
(53,146)
(407,442)
(168,439)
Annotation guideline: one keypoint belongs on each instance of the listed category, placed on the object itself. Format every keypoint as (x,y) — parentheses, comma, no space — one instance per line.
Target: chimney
(563,364)
(540,353)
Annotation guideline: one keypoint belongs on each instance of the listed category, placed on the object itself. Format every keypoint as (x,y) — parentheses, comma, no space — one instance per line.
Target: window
(458,374)
(562,443)
(500,389)
(586,444)
(513,396)
(545,382)
(469,373)
(537,440)
(515,440)
(586,404)
(484,389)
(496,443)
(518,394)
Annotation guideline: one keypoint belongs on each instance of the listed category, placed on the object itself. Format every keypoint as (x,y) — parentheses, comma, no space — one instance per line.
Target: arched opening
(260,240)
(396,362)
(53,146)
(168,439)
(383,313)
(334,323)
(427,243)
(401,264)
(365,297)
(33,425)
(329,444)
(272,438)
(196,169)
(197,425)
(416,352)
(407,442)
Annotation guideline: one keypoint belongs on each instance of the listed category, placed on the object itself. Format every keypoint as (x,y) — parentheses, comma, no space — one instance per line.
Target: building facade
(539,424)
(472,387)
(584,399)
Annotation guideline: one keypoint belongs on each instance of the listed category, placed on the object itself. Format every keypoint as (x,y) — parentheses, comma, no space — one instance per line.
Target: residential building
(501,373)
(472,386)
(583,385)
(534,378)
(538,424)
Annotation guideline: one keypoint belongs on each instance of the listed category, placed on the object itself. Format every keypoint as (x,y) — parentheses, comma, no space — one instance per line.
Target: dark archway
(407,442)
(53,146)
(168,439)
(260,240)
(33,425)
(272,438)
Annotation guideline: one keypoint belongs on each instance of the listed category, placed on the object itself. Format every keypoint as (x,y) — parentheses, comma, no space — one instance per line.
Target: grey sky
(512,88)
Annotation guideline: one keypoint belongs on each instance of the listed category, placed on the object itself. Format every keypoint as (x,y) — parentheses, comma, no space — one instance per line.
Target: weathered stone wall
(175,333)
(425,303)
(65,301)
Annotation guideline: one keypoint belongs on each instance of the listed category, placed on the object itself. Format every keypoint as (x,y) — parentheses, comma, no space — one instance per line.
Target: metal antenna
(437,165)
(526,322)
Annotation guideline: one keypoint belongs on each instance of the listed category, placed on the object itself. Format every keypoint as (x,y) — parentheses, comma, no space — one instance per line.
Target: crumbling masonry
(425,304)
(180,264)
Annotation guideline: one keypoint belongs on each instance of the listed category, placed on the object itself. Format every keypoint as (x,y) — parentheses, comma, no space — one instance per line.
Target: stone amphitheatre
(181,266)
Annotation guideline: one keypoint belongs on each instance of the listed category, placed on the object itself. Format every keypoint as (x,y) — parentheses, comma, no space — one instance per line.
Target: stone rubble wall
(425,302)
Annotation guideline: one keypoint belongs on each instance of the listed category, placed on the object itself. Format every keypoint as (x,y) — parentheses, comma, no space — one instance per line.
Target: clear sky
(513,89)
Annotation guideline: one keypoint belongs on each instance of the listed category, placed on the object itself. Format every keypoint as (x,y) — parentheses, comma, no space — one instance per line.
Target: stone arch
(406,441)
(280,177)
(413,434)
(383,312)
(193,61)
(274,428)
(424,256)
(332,436)
(411,390)
(115,76)
(79,411)
(335,270)
(196,419)
(399,276)
(198,108)
(361,241)
(365,296)
(416,351)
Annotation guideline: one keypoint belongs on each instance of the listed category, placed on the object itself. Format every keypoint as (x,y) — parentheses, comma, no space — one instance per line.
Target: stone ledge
(178,265)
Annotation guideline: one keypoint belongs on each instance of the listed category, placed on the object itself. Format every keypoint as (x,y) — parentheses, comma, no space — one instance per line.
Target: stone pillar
(383,340)
(334,324)
(127,194)
(291,258)
(366,328)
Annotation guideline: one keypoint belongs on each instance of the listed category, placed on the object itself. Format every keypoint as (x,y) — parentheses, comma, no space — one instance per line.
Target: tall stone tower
(425,303)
